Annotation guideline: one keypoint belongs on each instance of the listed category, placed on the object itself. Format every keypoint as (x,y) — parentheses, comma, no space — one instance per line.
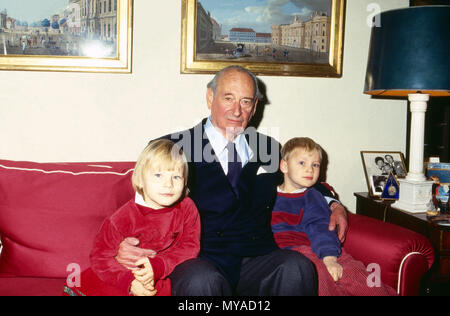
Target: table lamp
(409,56)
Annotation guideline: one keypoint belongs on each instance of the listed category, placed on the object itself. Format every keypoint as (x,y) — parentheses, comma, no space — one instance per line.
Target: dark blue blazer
(234,224)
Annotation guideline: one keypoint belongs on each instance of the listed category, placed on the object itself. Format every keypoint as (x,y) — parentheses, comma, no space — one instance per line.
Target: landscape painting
(58,27)
(63,28)
(265,32)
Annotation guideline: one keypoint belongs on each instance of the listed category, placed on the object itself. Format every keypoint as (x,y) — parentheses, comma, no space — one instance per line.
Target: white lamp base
(415,196)
(415,191)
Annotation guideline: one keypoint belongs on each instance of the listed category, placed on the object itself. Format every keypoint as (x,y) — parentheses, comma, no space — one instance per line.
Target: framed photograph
(66,35)
(286,38)
(377,167)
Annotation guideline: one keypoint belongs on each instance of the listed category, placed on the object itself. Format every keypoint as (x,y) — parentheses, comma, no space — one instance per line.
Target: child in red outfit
(160,217)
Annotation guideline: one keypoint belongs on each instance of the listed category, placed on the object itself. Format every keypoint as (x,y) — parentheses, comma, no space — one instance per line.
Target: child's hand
(144,274)
(138,289)
(333,267)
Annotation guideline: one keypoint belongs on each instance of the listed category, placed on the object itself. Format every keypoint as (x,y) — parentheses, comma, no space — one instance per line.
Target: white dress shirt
(219,144)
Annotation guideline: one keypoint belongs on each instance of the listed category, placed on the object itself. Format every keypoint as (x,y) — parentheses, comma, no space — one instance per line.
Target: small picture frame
(378,165)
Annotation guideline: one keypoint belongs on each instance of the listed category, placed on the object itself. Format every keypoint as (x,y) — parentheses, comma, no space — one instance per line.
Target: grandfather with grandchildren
(232,179)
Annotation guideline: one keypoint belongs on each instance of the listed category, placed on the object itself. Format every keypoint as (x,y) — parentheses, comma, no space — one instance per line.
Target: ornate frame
(191,65)
(121,63)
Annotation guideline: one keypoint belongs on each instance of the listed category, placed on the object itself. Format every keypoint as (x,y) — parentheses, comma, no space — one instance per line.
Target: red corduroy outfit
(173,232)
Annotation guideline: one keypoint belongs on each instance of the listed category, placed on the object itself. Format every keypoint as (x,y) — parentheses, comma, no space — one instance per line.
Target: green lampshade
(410,52)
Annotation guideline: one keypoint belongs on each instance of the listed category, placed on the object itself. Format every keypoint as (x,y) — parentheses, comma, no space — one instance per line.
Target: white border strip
(68,172)
(401,267)
(100,166)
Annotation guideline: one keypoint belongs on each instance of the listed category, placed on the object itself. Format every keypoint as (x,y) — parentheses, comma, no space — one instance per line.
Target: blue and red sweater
(303,219)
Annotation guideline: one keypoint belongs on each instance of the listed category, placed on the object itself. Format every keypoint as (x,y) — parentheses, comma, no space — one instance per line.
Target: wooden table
(437,281)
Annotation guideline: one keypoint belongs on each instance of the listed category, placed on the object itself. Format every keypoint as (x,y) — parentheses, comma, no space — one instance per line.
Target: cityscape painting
(90,34)
(284,37)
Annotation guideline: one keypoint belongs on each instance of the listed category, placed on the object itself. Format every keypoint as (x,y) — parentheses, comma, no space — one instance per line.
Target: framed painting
(378,165)
(285,38)
(66,35)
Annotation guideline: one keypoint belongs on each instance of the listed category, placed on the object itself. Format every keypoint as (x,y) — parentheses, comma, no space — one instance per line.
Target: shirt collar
(216,139)
(138,199)
(219,142)
(279,190)
(146,209)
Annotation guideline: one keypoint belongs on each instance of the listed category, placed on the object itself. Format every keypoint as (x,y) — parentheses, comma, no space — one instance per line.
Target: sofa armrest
(402,255)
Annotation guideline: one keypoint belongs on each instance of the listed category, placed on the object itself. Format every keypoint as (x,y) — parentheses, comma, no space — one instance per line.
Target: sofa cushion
(51,212)
(31,287)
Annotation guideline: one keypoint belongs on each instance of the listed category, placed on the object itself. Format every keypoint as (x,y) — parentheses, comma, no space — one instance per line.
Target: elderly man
(233,174)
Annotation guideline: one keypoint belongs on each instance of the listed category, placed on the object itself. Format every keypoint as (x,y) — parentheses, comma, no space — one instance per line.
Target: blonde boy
(300,164)
(300,220)
(160,218)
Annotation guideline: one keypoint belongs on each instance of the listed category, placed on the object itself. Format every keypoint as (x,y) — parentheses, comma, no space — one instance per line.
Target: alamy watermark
(374,277)
(374,18)
(265,149)
(74,277)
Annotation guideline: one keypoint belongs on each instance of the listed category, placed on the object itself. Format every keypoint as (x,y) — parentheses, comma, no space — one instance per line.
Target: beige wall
(48,116)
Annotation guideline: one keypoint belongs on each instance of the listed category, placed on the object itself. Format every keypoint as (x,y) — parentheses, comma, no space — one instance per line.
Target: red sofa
(50,213)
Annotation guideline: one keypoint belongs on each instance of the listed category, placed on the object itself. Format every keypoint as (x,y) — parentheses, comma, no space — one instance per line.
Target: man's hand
(129,253)
(338,219)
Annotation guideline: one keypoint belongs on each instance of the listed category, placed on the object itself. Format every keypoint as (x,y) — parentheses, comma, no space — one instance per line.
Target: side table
(437,281)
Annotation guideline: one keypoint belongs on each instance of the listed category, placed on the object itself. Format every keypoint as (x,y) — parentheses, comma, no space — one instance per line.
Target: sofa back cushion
(50,213)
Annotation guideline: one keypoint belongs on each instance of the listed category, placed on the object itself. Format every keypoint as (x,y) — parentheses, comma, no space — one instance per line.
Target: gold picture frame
(377,167)
(93,39)
(330,65)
